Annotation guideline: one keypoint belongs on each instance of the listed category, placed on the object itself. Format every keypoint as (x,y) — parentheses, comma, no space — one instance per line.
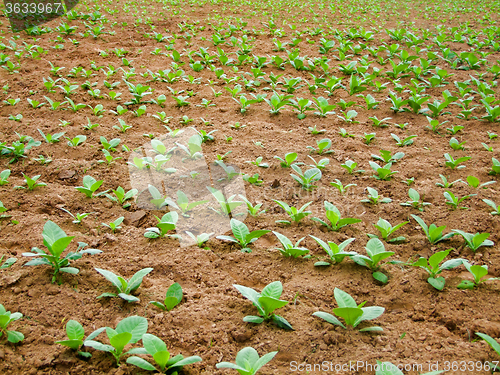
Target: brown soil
(421,325)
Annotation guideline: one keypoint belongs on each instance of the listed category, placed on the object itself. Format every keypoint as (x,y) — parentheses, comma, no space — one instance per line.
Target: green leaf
(98,346)
(240,230)
(74,330)
(111,277)
(71,270)
(136,325)
(282,322)
(253,319)
(128,297)
(73,344)
(51,233)
(141,363)
(379,276)
(437,282)
(466,284)
(344,299)
(161,358)
(153,344)
(247,357)
(270,304)
(120,340)
(248,293)
(491,341)
(136,280)
(14,336)
(350,314)
(371,329)
(274,290)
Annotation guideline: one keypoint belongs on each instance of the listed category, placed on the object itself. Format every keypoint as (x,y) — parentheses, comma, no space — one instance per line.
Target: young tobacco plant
(474,182)
(374,197)
(295,214)
(200,239)
(352,313)
(454,201)
(248,361)
(6,317)
(376,253)
(382,173)
(478,272)
(121,196)
(242,235)
(445,184)
(125,288)
(156,348)
(266,302)
(341,188)
(166,223)
(183,203)
(228,205)
(335,252)
(434,233)
(172,298)
(475,241)
(31,183)
(289,249)
(350,167)
(75,334)
(252,210)
(434,267)
(56,241)
(323,147)
(289,160)
(386,230)
(114,225)
(306,179)
(90,186)
(415,200)
(492,205)
(455,164)
(128,331)
(335,218)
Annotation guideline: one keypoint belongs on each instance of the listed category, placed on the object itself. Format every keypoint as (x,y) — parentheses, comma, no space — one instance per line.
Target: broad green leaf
(111,277)
(491,341)
(329,318)
(248,293)
(281,322)
(350,314)
(74,330)
(246,356)
(240,230)
(136,280)
(120,340)
(274,290)
(270,304)
(73,344)
(128,297)
(14,336)
(187,361)
(51,233)
(98,346)
(437,282)
(153,344)
(437,258)
(141,363)
(343,299)
(136,325)
(253,319)
(161,358)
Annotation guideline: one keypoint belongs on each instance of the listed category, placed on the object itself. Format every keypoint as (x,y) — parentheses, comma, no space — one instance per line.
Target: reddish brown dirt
(421,325)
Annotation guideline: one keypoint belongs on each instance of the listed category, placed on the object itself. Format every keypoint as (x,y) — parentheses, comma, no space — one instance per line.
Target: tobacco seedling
(161,357)
(350,167)
(314,130)
(31,183)
(382,173)
(494,345)
(266,302)
(193,148)
(445,183)
(352,313)
(455,164)
(478,272)
(433,267)
(323,146)
(172,298)
(374,197)
(226,206)
(403,142)
(6,317)
(4,175)
(200,239)
(289,249)
(454,144)
(114,225)
(295,214)
(307,178)
(125,288)
(51,138)
(387,157)
(475,183)
(128,331)
(335,252)
(376,253)
(121,196)
(183,203)
(341,188)
(344,134)
(90,186)
(475,241)
(492,205)
(258,162)
(242,235)
(334,217)
(56,242)
(166,223)
(77,141)
(454,201)
(415,200)
(495,168)
(289,160)
(252,210)
(75,334)
(248,361)
(78,217)
(386,230)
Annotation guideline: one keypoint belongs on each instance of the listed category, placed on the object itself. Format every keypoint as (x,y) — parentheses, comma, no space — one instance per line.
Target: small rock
(64,175)
(134,218)
(241,335)
(53,290)
(108,204)
(109,237)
